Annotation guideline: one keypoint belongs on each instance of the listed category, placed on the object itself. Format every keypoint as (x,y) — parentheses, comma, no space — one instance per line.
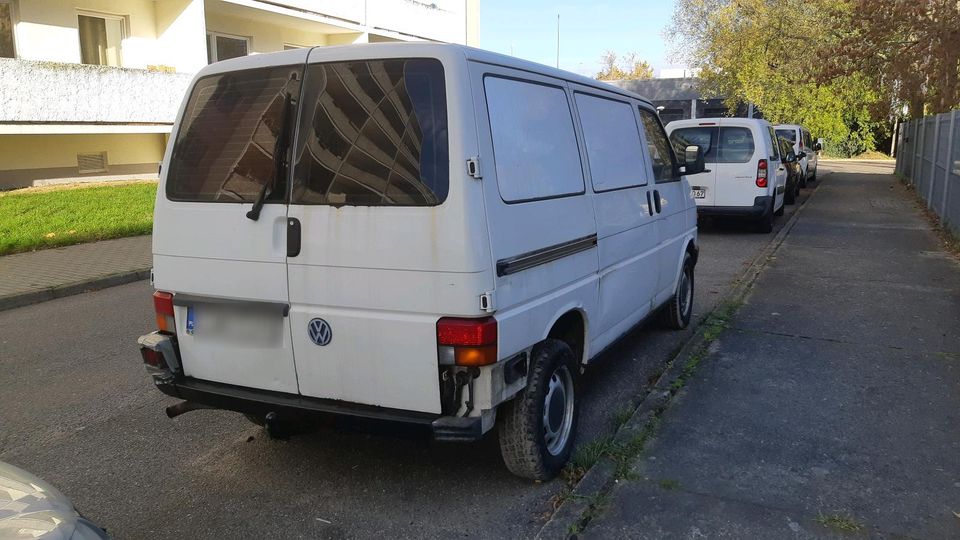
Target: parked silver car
(32,508)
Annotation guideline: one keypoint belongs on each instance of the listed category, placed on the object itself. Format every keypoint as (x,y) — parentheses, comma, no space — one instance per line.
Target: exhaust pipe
(176,410)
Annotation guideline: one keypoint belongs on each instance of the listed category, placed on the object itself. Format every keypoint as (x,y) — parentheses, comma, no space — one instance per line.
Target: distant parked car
(794,171)
(804,147)
(746,176)
(32,508)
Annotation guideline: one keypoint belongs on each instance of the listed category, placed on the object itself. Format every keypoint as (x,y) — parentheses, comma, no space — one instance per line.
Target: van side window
(774,146)
(612,137)
(373,133)
(661,155)
(534,143)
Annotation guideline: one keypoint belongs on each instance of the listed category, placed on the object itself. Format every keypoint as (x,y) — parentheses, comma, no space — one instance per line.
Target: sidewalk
(831,405)
(27,278)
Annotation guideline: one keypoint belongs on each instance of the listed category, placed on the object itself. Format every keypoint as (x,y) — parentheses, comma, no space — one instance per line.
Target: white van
(418,233)
(746,176)
(804,147)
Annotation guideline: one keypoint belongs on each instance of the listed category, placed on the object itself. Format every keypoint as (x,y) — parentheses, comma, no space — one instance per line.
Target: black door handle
(649,204)
(656,200)
(293,237)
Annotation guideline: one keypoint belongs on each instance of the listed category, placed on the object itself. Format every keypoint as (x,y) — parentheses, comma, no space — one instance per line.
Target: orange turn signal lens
(475,356)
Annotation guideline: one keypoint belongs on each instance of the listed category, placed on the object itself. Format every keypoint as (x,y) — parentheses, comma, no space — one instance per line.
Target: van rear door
(387,241)
(228,271)
(735,166)
(702,185)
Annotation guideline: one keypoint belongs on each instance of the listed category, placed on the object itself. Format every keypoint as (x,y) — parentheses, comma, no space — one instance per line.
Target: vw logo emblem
(319,332)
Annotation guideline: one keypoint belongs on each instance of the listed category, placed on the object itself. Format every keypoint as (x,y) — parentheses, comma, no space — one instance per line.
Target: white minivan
(746,176)
(804,147)
(418,233)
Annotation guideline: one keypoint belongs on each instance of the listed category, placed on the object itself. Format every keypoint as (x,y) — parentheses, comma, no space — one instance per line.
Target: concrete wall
(47,29)
(29,159)
(265,37)
(52,92)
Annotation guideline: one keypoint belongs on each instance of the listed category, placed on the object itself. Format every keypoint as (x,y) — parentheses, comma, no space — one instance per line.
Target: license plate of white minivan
(699,193)
(234,323)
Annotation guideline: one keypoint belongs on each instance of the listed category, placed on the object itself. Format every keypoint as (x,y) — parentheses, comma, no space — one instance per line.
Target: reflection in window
(225,145)
(374,133)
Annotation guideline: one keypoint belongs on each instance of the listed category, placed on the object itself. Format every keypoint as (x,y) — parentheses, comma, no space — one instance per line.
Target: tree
(630,67)
(763,52)
(910,49)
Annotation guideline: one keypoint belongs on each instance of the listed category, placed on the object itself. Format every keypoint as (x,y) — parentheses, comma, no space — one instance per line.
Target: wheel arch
(570,325)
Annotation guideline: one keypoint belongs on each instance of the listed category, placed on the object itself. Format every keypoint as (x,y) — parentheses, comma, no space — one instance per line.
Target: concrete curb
(93,284)
(601,477)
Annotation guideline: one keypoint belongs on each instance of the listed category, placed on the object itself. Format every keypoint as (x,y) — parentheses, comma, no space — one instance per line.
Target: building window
(101,37)
(7,46)
(223,46)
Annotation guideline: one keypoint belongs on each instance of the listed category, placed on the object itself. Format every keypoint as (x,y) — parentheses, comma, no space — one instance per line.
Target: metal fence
(928,155)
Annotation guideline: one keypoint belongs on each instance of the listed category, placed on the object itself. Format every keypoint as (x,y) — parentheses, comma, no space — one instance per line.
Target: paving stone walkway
(27,278)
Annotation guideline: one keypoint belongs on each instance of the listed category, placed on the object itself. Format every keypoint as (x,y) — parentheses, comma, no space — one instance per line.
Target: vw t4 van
(419,233)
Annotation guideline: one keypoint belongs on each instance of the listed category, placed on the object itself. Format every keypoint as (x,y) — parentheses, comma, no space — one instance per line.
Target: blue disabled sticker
(191,320)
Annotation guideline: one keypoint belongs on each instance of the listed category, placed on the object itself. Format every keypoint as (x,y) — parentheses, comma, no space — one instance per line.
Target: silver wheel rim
(558,410)
(686,292)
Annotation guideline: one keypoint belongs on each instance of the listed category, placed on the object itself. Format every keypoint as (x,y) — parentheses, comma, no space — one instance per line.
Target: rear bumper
(760,208)
(260,402)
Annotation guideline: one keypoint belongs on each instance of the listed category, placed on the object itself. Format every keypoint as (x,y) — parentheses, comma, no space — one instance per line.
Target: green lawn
(38,218)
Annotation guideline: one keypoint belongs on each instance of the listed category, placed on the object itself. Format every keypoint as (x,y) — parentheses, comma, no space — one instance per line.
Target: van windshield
(373,133)
(224,151)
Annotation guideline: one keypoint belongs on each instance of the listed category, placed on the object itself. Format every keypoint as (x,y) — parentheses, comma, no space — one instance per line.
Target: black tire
(782,206)
(676,314)
(765,223)
(814,177)
(522,428)
(790,196)
(803,180)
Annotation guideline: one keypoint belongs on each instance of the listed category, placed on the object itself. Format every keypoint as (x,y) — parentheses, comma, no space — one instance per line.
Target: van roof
(789,126)
(422,48)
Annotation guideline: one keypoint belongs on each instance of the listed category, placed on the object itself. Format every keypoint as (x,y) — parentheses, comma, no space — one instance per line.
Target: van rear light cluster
(467,342)
(762,173)
(163,306)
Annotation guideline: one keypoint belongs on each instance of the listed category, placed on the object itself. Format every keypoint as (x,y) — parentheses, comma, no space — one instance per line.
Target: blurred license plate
(235,323)
(699,193)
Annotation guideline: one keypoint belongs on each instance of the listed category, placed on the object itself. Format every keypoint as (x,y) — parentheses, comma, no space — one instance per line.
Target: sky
(528,28)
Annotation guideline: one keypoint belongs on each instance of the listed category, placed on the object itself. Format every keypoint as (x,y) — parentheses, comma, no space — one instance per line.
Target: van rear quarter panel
(529,301)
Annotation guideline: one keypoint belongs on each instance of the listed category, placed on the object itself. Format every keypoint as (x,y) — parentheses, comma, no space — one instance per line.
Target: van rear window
(725,144)
(373,133)
(224,151)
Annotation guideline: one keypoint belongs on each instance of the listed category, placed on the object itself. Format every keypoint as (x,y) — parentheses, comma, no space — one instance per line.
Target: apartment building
(89,88)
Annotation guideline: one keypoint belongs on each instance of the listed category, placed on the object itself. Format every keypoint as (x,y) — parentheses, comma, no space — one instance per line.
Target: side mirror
(818,147)
(693,158)
(791,157)
(801,155)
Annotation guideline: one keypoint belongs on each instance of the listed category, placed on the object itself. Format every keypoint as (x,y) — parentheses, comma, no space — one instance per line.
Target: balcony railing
(53,92)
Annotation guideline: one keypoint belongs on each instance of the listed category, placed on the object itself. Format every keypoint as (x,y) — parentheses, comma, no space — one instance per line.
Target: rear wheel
(676,314)
(537,428)
(779,211)
(765,223)
(790,196)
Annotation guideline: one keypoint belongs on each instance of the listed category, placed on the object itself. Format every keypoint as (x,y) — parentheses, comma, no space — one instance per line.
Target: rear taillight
(153,358)
(467,342)
(163,306)
(762,173)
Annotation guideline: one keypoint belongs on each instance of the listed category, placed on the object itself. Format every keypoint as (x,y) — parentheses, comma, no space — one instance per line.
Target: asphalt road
(78,409)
